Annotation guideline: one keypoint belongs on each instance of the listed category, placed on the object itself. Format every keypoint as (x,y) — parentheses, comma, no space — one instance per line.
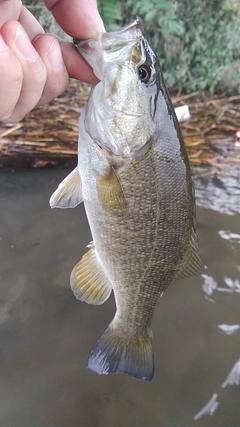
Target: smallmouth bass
(134,178)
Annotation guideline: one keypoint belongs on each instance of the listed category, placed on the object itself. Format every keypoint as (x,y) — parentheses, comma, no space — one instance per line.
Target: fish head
(122,105)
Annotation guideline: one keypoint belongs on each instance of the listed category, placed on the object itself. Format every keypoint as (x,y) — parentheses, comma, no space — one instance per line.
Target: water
(46,334)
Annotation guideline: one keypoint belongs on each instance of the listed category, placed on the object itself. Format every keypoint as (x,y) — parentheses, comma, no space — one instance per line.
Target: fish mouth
(113,47)
(128,34)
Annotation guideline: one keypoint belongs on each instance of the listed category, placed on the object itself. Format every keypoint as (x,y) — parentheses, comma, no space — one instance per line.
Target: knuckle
(16,75)
(38,75)
(55,85)
(10,88)
(42,75)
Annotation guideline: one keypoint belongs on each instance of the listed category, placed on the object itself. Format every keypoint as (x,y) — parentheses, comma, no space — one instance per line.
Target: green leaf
(110,13)
(150,15)
(177,27)
(165,5)
(235,75)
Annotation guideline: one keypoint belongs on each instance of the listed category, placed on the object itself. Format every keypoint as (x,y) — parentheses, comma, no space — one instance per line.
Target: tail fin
(117,352)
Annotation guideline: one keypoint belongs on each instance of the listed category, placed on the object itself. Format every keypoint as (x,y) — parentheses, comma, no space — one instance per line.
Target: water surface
(46,334)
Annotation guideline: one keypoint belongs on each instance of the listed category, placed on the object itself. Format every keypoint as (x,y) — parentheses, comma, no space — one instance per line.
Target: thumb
(79,19)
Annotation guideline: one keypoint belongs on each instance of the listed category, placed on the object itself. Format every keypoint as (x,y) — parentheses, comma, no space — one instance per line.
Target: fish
(134,178)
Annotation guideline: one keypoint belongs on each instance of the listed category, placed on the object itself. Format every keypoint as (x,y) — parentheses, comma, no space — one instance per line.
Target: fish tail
(116,352)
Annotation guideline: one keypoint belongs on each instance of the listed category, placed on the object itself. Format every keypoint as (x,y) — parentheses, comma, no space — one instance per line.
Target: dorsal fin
(69,192)
(191,263)
(88,280)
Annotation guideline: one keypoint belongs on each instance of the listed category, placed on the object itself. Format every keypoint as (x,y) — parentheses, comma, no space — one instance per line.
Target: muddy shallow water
(46,334)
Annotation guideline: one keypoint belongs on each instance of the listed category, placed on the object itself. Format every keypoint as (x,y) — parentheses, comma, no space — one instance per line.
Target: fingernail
(3,46)
(55,56)
(24,45)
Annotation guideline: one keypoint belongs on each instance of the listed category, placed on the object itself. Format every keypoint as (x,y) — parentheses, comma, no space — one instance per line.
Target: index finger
(78,18)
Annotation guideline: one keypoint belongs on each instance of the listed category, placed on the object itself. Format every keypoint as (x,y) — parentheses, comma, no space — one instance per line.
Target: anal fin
(69,192)
(88,280)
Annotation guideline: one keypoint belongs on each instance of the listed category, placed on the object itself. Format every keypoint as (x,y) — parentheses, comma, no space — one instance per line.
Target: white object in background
(182,113)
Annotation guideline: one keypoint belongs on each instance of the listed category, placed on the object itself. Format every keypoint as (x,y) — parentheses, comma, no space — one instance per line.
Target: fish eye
(144,73)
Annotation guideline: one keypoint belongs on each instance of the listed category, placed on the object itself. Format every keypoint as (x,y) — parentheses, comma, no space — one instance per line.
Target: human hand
(34,66)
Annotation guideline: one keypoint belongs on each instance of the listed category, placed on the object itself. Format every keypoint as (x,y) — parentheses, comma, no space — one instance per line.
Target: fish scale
(119,243)
(134,178)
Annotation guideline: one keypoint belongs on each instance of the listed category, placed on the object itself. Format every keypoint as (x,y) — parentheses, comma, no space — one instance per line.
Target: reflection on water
(221,194)
(209,408)
(46,334)
(234,376)
(229,329)
(226,234)
(210,285)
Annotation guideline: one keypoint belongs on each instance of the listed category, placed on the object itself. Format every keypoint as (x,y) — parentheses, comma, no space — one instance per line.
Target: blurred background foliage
(197,41)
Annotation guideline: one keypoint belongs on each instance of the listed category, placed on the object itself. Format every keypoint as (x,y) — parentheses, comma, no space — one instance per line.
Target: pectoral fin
(69,192)
(110,191)
(88,280)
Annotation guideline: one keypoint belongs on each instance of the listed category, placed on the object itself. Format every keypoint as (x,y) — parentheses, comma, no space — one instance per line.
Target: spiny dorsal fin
(88,281)
(69,192)
(110,191)
(191,264)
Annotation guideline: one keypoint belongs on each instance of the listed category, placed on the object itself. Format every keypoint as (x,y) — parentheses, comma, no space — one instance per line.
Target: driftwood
(48,135)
